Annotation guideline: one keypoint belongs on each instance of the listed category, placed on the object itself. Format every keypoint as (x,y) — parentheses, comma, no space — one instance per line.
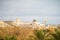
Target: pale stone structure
(19,23)
(1,23)
(33,24)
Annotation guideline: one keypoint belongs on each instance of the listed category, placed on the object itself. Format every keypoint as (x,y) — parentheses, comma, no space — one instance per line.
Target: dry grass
(21,32)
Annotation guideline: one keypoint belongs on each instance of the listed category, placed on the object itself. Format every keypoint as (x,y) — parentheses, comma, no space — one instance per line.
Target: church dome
(34,20)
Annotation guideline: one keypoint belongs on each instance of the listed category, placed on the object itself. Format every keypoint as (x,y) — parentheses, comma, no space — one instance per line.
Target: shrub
(8,37)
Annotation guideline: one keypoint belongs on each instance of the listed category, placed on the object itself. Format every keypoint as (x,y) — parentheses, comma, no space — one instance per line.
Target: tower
(45,21)
(17,20)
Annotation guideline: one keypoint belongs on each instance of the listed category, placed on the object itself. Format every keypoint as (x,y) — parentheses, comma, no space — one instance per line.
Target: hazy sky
(27,10)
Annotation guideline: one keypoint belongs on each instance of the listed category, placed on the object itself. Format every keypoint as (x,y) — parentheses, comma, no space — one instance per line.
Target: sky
(27,10)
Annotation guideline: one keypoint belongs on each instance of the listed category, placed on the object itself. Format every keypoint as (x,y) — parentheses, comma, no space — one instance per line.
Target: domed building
(35,22)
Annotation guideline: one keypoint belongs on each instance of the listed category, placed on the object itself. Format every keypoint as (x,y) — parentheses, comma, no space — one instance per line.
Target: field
(13,32)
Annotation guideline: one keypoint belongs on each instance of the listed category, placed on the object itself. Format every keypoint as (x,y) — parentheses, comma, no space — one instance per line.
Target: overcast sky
(27,10)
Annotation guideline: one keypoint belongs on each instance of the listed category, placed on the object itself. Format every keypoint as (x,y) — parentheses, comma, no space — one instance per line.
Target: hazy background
(27,10)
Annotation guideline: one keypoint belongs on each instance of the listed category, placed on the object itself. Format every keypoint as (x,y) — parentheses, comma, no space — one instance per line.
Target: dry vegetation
(12,32)
(19,32)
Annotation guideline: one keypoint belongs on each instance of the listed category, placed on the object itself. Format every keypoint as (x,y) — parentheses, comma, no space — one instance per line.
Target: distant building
(33,24)
(18,23)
